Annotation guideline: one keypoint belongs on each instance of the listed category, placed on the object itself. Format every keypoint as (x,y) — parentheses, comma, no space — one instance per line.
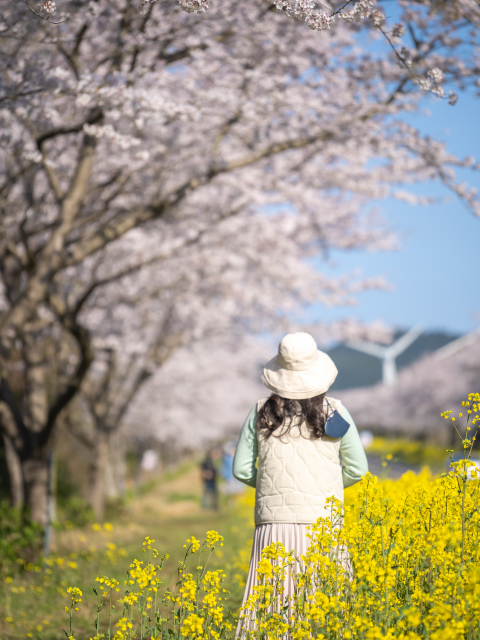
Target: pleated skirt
(293,537)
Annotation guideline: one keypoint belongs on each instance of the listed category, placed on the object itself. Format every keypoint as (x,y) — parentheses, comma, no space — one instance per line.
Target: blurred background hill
(357,369)
(437,381)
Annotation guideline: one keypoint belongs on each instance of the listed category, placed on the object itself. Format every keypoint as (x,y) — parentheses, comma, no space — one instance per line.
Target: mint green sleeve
(246,453)
(353,456)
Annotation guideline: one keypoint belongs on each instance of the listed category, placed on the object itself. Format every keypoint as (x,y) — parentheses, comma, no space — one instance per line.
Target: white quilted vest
(296,474)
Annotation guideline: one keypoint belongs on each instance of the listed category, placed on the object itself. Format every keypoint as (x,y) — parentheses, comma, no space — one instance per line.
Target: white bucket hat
(299,370)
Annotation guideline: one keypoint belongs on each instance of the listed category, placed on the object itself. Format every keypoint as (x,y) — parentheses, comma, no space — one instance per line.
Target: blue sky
(436,273)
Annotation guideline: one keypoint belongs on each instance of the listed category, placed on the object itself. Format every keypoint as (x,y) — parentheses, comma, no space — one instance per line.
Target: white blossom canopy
(206,160)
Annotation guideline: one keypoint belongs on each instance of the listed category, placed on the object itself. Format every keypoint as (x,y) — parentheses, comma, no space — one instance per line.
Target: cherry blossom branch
(72,58)
(22,94)
(49,7)
(437,74)
(86,356)
(51,254)
(342,7)
(94,117)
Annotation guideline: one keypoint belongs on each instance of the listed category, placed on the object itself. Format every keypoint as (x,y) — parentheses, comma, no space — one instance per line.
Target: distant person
(299,437)
(232,485)
(209,477)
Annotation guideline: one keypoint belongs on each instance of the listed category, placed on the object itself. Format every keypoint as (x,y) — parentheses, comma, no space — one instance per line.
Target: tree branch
(72,58)
(47,18)
(95,116)
(20,440)
(77,432)
(52,178)
(82,337)
(104,236)
(51,257)
(22,94)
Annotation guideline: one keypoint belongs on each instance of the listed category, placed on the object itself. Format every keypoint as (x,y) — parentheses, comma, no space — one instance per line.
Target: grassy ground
(32,602)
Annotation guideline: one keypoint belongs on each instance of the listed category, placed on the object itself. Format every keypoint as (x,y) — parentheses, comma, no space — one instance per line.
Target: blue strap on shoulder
(335,425)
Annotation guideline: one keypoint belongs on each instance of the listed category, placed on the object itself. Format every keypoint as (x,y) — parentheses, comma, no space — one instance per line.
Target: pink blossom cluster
(49,6)
(303,11)
(360,11)
(194,6)
(377,18)
(398,30)
(320,21)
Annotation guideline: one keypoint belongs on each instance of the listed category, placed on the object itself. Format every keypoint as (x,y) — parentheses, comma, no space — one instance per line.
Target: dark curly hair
(278,411)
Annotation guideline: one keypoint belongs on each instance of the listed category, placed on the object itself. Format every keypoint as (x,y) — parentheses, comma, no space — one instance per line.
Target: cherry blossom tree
(215,154)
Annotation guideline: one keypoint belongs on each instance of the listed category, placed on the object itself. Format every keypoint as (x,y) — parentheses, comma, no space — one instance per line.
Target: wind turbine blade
(372,349)
(457,345)
(405,341)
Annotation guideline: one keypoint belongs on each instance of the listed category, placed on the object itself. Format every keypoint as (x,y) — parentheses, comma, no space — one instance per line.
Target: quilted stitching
(296,475)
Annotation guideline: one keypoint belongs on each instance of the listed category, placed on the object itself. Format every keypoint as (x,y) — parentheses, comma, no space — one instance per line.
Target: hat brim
(299,385)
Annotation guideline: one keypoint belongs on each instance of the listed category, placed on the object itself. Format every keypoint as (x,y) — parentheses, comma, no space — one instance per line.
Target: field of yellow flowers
(399,560)
(405,565)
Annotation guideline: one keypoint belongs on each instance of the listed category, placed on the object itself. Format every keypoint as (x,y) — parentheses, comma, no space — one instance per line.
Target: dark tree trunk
(28,432)
(14,466)
(98,472)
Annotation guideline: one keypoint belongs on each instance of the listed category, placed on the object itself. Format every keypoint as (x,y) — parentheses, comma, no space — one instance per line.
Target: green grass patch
(182,497)
(33,596)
